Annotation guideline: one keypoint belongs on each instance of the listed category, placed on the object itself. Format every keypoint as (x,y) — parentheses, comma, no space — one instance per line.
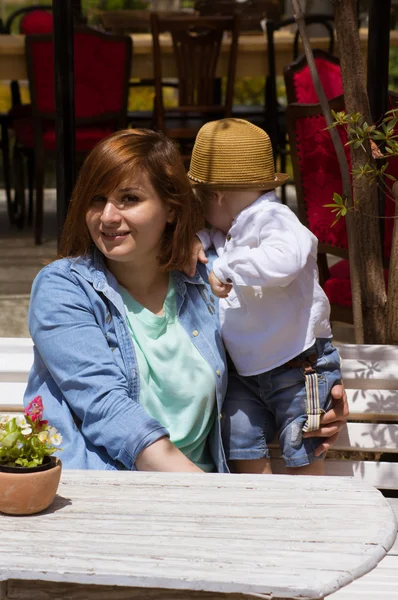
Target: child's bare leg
(315,468)
(261,466)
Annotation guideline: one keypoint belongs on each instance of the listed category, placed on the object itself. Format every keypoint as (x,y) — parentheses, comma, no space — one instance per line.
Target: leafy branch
(378,142)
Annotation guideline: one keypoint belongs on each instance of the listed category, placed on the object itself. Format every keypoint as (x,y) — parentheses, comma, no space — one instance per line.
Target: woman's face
(128,224)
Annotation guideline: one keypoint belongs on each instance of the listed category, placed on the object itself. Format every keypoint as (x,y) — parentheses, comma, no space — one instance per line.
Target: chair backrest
(32,19)
(298,81)
(271,100)
(196,44)
(325,21)
(251,12)
(317,173)
(102,66)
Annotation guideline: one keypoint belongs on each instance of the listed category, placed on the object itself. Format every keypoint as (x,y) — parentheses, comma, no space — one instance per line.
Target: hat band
(197,180)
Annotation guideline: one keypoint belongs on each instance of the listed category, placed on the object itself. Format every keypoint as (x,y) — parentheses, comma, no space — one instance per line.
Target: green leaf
(337,198)
(378,135)
(9,440)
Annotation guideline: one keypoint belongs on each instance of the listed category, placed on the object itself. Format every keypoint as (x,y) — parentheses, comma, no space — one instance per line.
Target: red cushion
(338,287)
(36,21)
(99,75)
(320,178)
(86,137)
(330,75)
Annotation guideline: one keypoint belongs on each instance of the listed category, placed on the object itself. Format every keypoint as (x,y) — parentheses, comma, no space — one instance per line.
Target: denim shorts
(258,407)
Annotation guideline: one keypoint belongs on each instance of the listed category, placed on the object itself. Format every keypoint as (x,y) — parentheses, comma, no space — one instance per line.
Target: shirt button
(218,373)
(195,333)
(220,416)
(229,237)
(229,280)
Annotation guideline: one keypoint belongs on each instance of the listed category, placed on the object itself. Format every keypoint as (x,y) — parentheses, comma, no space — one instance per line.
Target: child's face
(216,214)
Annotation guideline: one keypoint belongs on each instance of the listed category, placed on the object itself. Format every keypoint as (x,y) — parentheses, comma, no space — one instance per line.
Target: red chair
(102,71)
(35,19)
(275,112)
(32,19)
(317,177)
(27,20)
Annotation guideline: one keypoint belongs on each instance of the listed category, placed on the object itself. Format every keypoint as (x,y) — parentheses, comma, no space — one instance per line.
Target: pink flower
(34,410)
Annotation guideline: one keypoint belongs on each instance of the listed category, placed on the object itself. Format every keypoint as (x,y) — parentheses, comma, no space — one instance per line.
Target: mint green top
(178,387)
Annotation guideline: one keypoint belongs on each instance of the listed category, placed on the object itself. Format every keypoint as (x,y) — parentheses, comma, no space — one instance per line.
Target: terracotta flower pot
(29,491)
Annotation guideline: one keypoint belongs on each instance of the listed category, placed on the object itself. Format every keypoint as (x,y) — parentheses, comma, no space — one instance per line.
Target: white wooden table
(122,535)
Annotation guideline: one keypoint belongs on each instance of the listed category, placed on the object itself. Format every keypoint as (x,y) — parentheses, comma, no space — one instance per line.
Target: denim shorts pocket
(328,356)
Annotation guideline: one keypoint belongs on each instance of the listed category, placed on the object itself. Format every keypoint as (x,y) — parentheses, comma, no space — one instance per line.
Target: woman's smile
(114,236)
(128,224)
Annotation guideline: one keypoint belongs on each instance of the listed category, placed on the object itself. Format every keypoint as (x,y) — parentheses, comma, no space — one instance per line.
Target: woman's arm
(77,355)
(332,421)
(164,456)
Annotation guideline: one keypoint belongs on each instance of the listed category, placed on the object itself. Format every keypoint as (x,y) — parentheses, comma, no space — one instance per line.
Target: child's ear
(219,198)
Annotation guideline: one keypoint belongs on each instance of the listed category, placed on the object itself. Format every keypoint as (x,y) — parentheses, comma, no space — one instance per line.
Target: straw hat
(234,154)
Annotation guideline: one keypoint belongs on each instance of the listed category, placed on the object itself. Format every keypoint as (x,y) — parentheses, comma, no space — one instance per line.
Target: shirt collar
(93,268)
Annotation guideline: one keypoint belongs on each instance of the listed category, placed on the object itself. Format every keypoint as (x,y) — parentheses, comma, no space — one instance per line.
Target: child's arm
(282,251)
(219,289)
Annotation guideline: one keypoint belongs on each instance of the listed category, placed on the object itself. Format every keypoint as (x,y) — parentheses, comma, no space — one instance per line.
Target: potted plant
(29,475)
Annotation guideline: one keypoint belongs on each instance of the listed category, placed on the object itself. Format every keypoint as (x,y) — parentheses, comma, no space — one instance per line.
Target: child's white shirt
(276,308)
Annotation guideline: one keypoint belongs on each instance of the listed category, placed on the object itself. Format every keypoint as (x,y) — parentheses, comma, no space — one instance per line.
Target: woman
(128,356)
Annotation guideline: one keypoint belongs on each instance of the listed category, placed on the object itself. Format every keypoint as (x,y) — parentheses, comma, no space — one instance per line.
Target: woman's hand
(219,289)
(332,421)
(197,253)
(164,456)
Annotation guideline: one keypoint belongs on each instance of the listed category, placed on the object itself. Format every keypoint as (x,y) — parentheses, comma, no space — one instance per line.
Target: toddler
(274,315)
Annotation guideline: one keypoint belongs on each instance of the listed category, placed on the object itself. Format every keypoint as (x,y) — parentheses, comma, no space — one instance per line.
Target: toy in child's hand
(219,289)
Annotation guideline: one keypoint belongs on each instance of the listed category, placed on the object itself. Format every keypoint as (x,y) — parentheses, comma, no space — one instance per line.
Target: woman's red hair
(114,160)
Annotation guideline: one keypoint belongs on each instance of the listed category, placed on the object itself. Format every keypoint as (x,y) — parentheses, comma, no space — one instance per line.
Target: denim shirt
(85,366)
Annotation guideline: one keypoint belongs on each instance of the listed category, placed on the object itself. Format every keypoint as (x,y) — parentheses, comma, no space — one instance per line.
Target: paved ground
(21,260)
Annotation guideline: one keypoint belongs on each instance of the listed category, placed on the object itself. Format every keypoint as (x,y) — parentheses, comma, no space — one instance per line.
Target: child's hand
(219,289)
(197,253)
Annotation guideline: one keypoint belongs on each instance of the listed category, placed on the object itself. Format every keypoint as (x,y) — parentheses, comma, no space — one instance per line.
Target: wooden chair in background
(298,80)
(102,71)
(27,20)
(275,112)
(125,22)
(317,178)
(34,19)
(251,14)
(196,45)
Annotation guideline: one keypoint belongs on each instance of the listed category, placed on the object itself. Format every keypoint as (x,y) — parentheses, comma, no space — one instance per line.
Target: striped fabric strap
(313,408)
